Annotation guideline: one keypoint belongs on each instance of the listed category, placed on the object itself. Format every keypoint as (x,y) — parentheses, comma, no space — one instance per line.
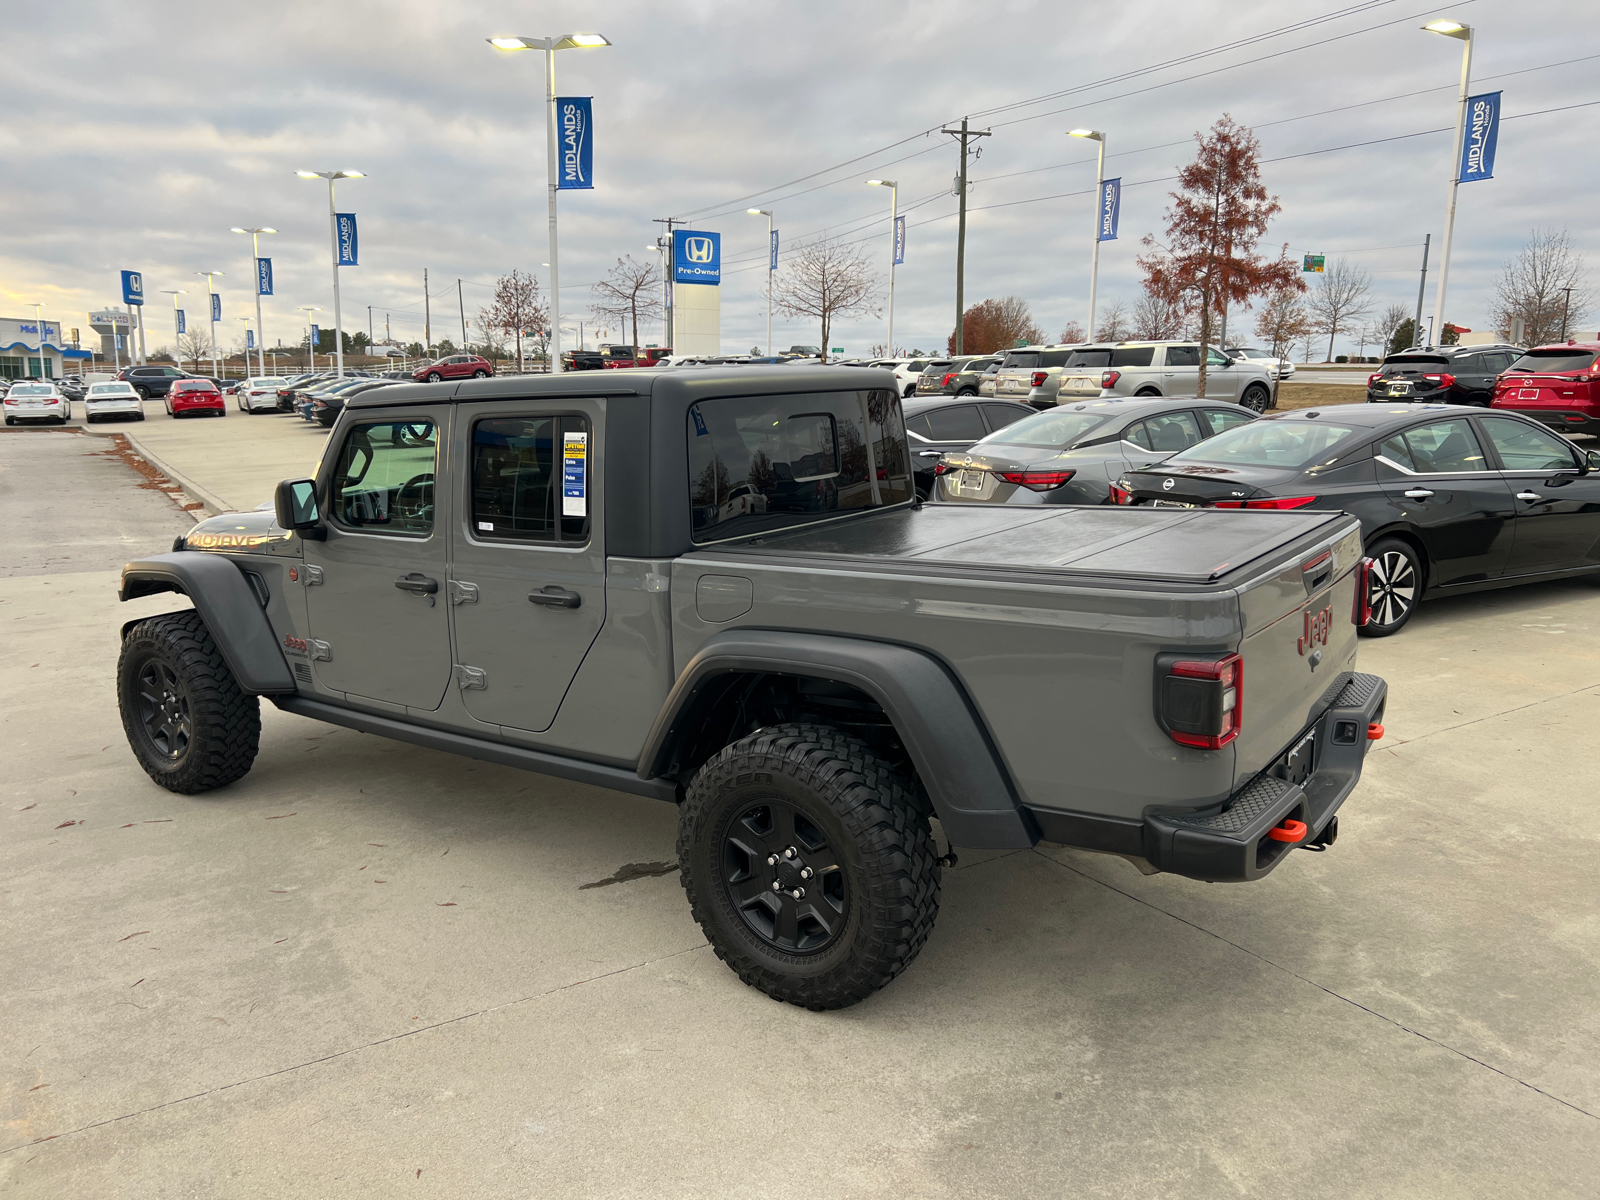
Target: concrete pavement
(369,968)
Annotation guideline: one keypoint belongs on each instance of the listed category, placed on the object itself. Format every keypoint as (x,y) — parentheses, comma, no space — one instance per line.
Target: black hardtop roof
(666,384)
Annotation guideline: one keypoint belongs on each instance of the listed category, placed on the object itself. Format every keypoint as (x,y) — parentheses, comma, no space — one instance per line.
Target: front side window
(530,479)
(770,462)
(1213,359)
(1525,447)
(383,478)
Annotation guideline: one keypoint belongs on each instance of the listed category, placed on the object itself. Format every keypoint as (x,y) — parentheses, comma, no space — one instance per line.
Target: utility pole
(666,282)
(1566,307)
(1422,287)
(427,321)
(965,135)
(369,326)
(462,304)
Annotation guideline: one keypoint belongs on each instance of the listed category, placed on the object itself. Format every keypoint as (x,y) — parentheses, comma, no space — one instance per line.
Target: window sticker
(574,475)
(486,526)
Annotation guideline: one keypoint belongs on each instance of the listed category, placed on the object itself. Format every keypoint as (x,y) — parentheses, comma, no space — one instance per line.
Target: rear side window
(1089,358)
(1166,433)
(1554,362)
(1183,356)
(955,424)
(383,479)
(1525,447)
(1444,447)
(1001,415)
(530,479)
(771,462)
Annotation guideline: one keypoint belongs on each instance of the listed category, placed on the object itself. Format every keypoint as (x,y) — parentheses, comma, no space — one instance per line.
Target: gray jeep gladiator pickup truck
(718,589)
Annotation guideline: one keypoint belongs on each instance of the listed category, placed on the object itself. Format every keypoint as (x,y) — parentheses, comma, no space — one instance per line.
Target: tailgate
(1299,645)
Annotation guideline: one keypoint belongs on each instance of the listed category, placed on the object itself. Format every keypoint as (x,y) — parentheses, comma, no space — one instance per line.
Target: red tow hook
(1289,831)
(1374,732)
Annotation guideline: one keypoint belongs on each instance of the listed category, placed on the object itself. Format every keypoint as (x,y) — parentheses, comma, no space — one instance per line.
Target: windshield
(32,389)
(1557,362)
(1287,445)
(1056,429)
(761,463)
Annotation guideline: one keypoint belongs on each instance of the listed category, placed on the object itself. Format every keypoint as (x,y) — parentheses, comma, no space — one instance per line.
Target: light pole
(566,41)
(255,270)
(311,342)
(1463,33)
(333,241)
(660,247)
(767,213)
(211,312)
(894,216)
(1099,199)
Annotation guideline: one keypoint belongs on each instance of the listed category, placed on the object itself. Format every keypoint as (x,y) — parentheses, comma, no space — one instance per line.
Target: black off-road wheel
(191,727)
(809,865)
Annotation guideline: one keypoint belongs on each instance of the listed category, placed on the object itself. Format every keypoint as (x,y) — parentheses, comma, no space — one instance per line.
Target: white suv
(1281,368)
(1164,369)
(906,372)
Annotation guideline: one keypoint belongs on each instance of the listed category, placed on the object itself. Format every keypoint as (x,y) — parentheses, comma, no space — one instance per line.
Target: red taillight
(1373,378)
(1109,378)
(1038,378)
(1037,481)
(948,377)
(1119,496)
(1276,502)
(1202,702)
(940,467)
(1363,606)
(1443,380)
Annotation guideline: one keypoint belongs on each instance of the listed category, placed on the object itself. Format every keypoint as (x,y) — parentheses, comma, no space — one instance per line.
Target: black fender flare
(955,757)
(226,603)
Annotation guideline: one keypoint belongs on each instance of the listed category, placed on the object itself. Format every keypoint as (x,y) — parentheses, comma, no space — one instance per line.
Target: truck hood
(255,532)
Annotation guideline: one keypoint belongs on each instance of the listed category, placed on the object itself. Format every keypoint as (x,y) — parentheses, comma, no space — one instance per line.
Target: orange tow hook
(1289,831)
(1374,732)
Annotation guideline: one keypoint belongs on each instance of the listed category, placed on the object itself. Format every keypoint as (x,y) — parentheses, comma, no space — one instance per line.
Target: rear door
(1437,476)
(1159,436)
(1180,370)
(1558,508)
(527,572)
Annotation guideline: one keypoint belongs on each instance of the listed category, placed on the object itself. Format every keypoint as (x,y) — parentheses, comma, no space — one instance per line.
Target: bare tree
(1283,319)
(194,345)
(1155,317)
(491,335)
(630,290)
(1114,326)
(1388,324)
(825,281)
(1546,286)
(1343,296)
(516,308)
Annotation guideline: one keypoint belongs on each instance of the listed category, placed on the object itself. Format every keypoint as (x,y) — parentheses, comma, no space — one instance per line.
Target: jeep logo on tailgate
(1319,625)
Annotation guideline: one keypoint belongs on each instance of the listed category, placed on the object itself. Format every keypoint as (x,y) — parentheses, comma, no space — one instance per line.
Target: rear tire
(480,374)
(1147,392)
(861,847)
(1397,580)
(189,724)
(1256,398)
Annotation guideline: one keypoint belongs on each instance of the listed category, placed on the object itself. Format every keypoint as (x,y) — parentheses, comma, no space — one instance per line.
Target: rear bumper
(1563,420)
(1231,843)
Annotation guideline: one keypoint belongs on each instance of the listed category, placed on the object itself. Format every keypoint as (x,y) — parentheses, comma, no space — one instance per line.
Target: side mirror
(1591,461)
(295,505)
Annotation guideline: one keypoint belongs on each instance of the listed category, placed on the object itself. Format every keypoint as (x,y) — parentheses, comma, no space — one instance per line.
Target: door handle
(1417,493)
(417,584)
(1529,496)
(930,453)
(556,597)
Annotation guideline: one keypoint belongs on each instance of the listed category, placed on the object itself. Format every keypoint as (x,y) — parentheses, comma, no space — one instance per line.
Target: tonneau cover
(1159,545)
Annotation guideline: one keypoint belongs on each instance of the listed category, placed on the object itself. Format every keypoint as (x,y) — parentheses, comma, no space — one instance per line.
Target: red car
(648,357)
(1558,385)
(195,397)
(457,366)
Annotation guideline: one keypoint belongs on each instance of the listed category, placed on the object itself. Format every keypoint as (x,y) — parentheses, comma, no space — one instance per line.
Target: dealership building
(23,353)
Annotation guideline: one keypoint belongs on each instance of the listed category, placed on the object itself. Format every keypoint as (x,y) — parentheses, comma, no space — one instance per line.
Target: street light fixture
(1463,33)
(894,218)
(333,241)
(311,342)
(771,267)
(255,266)
(565,41)
(211,312)
(1094,135)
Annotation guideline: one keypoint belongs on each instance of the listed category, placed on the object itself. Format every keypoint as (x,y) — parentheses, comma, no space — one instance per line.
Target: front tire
(1397,578)
(808,864)
(1256,398)
(189,724)
(434,377)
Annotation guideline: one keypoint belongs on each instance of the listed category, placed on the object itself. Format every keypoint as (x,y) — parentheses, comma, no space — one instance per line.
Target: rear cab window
(762,463)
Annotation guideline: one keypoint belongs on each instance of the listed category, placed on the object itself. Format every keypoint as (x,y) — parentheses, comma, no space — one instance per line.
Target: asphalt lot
(369,968)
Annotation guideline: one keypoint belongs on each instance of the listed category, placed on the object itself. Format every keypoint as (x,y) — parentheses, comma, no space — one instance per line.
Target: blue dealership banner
(899,241)
(345,223)
(575,144)
(1482,135)
(1110,210)
(249,339)
(263,277)
(696,257)
(216,307)
(132,287)
(183,321)
(772,265)
(316,336)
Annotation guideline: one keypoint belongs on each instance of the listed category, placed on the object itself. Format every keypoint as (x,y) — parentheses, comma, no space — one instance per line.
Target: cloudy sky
(137,134)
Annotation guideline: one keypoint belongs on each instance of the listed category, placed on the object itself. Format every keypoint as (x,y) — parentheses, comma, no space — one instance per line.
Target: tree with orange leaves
(1217,216)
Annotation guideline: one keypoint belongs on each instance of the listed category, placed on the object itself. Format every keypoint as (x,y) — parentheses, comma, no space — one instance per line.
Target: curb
(215,505)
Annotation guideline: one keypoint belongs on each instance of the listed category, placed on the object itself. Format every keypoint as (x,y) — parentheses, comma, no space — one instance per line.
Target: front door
(379,615)
(528,571)
(1223,376)
(1558,508)
(1438,476)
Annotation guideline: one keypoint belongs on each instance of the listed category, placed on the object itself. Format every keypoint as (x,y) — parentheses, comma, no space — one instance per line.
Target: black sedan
(1073,453)
(1449,501)
(942,424)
